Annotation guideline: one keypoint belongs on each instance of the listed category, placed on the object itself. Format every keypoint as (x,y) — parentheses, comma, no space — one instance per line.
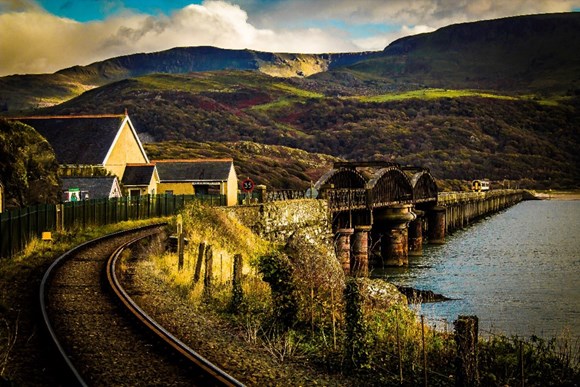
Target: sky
(43,36)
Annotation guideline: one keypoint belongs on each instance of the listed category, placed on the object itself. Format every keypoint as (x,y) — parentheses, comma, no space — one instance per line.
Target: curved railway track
(107,342)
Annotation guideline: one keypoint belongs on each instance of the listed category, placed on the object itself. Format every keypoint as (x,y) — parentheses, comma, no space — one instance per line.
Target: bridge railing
(346,199)
(285,194)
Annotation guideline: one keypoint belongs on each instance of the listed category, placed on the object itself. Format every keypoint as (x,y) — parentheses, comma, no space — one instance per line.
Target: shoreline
(557,195)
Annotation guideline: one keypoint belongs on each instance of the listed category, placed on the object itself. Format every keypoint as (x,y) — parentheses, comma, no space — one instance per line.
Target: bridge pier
(393,221)
(343,248)
(416,234)
(360,251)
(436,225)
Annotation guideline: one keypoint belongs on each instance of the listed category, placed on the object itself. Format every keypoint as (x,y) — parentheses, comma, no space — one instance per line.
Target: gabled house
(140,179)
(199,177)
(85,188)
(108,141)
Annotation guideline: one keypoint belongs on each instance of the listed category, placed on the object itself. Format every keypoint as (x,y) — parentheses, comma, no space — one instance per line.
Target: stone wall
(277,221)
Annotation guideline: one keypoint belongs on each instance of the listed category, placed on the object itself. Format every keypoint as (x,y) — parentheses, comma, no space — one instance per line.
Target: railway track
(102,335)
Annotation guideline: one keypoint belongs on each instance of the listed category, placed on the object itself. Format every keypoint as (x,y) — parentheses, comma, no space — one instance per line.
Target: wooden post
(207,281)
(180,243)
(59,217)
(466,330)
(237,291)
(197,273)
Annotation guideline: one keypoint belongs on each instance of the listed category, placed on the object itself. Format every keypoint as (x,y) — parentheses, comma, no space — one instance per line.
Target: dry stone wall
(278,221)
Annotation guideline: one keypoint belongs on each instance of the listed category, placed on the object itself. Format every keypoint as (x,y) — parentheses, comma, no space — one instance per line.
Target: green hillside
(527,54)
(23,92)
(458,134)
(496,99)
(274,166)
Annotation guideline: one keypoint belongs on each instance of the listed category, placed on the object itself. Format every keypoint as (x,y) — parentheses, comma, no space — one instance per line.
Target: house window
(207,189)
(169,192)
(134,192)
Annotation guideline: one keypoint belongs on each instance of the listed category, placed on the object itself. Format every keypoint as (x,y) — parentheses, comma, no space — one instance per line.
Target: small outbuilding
(198,177)
(85,188)
(140,179)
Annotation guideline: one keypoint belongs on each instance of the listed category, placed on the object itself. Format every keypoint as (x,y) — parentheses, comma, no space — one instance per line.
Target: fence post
(197,273)
(237,291)
(466,331)
(58,217)
(179,243)
(84,204)
(148,206)
(207,281)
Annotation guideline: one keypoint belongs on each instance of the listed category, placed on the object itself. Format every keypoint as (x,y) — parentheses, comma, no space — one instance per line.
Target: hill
(458,134)
(22,92)
(507,106)
(537,54)
(527,54)
(274,166)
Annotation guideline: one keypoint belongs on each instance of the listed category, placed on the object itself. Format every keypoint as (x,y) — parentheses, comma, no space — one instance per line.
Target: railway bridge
(382,212)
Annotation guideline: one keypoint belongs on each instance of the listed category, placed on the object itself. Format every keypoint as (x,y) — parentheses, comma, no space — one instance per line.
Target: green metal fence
(19,226)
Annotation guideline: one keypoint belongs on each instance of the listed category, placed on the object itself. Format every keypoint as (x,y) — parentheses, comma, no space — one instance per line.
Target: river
(517,270)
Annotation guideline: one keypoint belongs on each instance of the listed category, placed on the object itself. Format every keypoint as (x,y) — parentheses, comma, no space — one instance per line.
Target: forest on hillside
(531,142)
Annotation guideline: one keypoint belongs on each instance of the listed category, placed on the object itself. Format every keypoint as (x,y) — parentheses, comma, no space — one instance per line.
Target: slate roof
(138,174)
(78,140)
(98,187)
(206,170)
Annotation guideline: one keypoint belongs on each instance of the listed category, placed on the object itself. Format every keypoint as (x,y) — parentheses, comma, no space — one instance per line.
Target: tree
(28,166)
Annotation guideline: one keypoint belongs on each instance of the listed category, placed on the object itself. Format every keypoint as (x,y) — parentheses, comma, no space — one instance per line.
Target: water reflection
(517,271)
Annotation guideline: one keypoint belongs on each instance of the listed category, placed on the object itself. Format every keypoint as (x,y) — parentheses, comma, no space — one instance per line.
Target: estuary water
(517,270)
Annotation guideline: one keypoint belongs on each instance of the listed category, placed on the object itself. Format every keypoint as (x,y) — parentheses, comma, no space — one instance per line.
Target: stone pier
(343,248)
(416,234)
(393,224)
(360,251)
(436,220)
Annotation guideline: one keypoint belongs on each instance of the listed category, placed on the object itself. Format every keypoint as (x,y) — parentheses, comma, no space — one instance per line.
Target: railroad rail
(107,342)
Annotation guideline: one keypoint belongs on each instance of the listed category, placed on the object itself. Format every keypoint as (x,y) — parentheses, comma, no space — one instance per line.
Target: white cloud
(383,40)
(432,13)
(34,40)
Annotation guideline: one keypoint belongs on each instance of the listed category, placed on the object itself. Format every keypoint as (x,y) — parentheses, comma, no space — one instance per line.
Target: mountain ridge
(523,54)
(538,54)
(508,119)
(21,92)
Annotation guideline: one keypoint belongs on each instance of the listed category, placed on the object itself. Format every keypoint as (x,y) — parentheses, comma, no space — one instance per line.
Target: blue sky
(91,10)
(41,36)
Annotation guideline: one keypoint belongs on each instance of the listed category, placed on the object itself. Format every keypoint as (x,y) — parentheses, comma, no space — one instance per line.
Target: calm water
(518,271)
